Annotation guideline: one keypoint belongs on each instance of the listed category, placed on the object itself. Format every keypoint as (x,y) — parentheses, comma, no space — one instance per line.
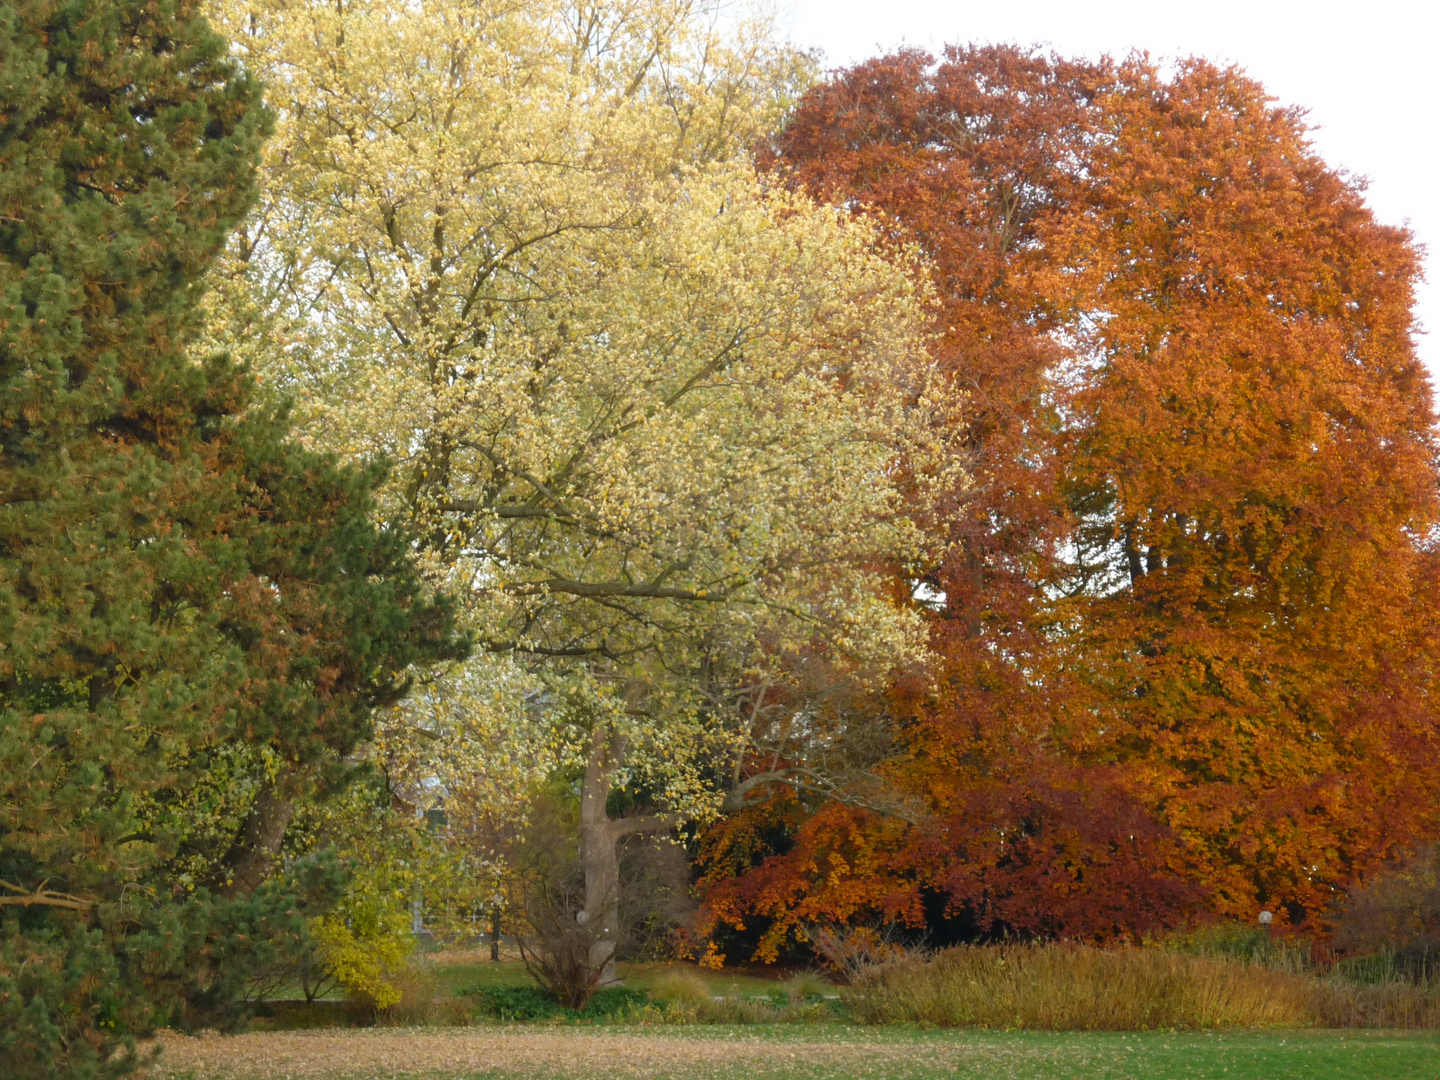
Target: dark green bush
(532,1003)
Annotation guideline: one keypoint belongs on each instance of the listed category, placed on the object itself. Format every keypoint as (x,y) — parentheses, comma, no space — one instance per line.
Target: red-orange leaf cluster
(1188,639)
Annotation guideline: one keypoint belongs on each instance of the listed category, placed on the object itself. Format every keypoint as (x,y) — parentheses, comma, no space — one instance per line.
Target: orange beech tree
(1183,634)
(1251,463)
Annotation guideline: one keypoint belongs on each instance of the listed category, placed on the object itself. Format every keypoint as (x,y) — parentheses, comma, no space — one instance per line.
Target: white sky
(1368,71)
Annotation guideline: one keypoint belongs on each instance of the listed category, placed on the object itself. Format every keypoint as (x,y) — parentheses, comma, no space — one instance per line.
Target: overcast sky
(1368,71)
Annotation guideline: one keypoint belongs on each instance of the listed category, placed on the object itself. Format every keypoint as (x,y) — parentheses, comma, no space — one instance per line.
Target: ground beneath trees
(821,1052)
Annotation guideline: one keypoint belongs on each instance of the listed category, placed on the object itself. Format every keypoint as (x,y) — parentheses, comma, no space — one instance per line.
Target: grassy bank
(447,993)
(1194,984)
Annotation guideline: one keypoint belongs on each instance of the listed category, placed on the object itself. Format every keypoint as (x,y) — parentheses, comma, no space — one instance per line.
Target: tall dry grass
(1340,1003)
(1068,987)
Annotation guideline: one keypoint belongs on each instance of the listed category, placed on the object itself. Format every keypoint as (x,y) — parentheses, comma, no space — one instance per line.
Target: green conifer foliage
(176,575)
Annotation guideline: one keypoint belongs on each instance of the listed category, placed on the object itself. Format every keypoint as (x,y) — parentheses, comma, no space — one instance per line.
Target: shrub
(532,1003)
(1397,913)
(1416,964)
(805,987)
(847,951)
(514,1002)
(685,998)
(366,953)
(546,898)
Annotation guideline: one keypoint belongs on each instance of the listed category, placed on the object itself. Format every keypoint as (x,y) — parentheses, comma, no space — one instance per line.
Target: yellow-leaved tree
(649,418)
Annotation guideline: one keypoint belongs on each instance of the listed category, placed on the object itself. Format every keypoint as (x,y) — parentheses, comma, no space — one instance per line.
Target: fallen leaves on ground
(320,1055)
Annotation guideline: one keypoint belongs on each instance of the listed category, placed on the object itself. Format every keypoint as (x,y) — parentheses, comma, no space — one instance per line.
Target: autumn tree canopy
(989,494)
(1187,633)
(646,410)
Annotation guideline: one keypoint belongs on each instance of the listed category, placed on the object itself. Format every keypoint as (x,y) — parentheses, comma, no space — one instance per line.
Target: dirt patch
(325,1055)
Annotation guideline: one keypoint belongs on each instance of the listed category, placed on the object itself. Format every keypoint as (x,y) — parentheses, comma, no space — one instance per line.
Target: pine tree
(176,575)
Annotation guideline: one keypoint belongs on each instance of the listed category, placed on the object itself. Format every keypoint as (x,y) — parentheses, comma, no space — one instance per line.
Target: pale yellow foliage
(644,410)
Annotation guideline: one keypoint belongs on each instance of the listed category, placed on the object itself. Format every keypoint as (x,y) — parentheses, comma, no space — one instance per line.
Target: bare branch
(650,823)
(500,510)
(735,798)
(815,783)
(617,588)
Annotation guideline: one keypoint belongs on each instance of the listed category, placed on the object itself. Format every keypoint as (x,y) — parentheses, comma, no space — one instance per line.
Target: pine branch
(43,897)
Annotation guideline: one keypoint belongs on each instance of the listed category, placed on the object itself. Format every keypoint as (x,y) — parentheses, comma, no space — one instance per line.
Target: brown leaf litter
(400,1052)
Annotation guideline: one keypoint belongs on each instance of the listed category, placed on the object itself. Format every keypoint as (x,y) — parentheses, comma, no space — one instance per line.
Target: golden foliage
(647,415)
(367,957)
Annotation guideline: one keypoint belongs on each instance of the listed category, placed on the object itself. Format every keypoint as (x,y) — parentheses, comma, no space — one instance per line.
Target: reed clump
(1078,988)
(1340,1003)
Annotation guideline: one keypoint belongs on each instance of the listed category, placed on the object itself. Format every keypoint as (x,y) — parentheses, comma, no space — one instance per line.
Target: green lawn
(447,980)
(1301,1055)
(453,977)
(1029,1055)
(799,1052)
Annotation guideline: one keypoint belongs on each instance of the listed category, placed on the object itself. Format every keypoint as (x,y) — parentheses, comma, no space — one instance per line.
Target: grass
(832,1052)
(462,987)
(1058,987)
(1210,982)
(1267,1014)
(464,974)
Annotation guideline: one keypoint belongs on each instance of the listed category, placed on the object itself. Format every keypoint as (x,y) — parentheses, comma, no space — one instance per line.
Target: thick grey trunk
(600,838)
(599,855)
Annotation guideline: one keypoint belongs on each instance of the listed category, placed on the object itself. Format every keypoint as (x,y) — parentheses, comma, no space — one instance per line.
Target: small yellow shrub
(367,952)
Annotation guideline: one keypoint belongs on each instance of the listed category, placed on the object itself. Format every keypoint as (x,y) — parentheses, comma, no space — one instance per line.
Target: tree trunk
(600,838)
(599,856)
(259,843)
